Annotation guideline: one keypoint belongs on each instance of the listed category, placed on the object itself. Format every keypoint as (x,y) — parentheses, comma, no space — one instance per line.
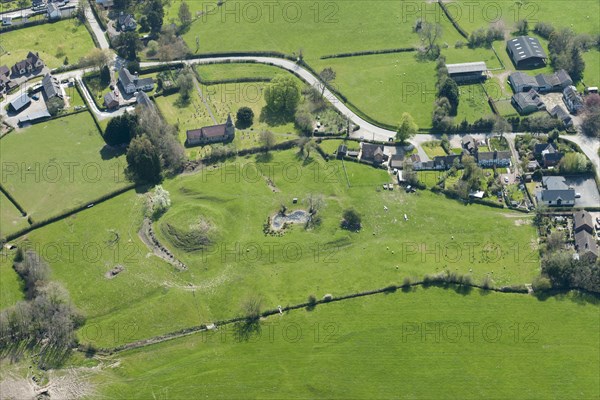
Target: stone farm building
(572,99)
(133,83)
(583,232)
(467,72)
(211,134)
(526,52)
(543,83)
(527,102)
(51,87)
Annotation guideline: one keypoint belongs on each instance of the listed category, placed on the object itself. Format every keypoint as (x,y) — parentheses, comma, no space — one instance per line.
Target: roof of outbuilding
(524,47)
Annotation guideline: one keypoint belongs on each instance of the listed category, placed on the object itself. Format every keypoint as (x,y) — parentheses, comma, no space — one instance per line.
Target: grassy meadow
(59,164)
(317,29)
(476,346)
(234,200)
(580,15)
(74,42)
(10,285)
(11,219)
(219,72)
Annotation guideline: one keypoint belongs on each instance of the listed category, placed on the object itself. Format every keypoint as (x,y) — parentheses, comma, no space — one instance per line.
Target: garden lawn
(479,345)
(11,219)
(235,200)
(385,86)
(58,165)
(54,42)
(434,148)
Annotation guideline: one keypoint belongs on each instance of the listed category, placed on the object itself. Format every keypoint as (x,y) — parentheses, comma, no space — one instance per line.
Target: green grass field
(385,346)
(11,219)
(218,72)
(59,164)
(10,286)
(318,29)
(385,86)
(473,103)
(236,200)
(581,16)
(591,75)
(74,42)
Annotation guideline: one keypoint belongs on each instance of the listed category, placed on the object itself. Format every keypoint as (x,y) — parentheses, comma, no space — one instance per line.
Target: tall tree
(185,82)
(449,90)
(577,64)
(143,160)
(430,34)
(121,129)
(282,96)
(184,14)
(327,75)
(155,14)
(407,129)
(127,45)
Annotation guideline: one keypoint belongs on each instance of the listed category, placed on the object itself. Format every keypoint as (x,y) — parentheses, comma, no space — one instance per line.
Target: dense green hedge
(369,52)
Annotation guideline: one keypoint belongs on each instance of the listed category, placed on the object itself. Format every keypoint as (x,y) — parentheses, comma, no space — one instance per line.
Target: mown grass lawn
(11,219)
(236,201)
(434,148)
(54,42)
(429,343)
(58,165)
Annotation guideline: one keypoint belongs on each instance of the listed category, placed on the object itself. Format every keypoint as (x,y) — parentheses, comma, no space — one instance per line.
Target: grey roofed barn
(526,51)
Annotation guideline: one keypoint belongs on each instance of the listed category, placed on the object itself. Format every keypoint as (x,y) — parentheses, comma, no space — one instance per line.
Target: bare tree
(430,33)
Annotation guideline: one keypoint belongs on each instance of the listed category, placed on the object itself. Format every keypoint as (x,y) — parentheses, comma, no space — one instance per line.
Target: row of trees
(152,145)
(590,123)
(46,320)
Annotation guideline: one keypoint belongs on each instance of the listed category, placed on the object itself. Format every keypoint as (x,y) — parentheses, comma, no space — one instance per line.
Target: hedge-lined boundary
(460,30)
(97,16)
(369,53)
(275,54)
(75,210)
(441,280)
(29,24)
(13,200)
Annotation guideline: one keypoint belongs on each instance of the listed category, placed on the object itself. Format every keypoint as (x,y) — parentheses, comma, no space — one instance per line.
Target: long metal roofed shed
(526,52)
(472,71)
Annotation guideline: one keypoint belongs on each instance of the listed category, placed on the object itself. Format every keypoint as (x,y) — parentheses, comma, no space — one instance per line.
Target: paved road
(100,36)
(589,146)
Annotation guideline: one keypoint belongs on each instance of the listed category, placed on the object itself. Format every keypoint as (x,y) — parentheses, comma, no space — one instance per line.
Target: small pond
(296,217)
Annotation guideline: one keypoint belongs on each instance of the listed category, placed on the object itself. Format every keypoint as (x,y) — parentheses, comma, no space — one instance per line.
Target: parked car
(577,195)
(35,97)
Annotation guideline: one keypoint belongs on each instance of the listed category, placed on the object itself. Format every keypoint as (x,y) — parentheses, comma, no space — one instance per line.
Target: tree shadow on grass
(244,330)
(109,152)
(182,102)
(264,157)
(273,119)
